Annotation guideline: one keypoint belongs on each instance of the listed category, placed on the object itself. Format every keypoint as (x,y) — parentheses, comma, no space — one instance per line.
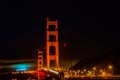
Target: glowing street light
(94,71)
(84,70)
(94,68)
(110,67)
(103,73)
(101,70)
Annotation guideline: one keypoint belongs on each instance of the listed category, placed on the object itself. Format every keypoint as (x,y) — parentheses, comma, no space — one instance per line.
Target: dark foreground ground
(94,78)
(51,77)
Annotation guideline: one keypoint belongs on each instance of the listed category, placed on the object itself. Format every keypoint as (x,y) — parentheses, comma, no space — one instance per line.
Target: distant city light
(110,67)
(84,70)
(94,68)
(21,67)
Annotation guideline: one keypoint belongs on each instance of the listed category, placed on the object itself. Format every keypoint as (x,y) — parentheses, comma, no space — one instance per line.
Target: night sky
(86,27)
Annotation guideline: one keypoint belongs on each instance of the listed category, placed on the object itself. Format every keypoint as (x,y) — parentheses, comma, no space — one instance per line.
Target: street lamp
(94,71)
(110,67)
(84,70)
(94,68)
(78,72)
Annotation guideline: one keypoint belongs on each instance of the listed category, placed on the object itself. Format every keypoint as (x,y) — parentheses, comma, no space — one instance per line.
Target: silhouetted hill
(101,61)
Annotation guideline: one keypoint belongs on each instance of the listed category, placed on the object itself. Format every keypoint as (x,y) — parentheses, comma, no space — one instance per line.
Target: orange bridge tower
(52,45)
(40,59)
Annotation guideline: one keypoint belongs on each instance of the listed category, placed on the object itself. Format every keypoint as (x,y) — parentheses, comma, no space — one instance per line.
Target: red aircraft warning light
(64,44)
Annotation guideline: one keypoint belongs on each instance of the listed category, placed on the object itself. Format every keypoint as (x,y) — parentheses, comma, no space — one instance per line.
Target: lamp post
(94,71)
(110,67)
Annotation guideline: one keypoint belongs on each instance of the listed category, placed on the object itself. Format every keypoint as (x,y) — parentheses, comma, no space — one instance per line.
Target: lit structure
(110,68)
(52,46)
(40,63)
(21,67)
(40,60)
